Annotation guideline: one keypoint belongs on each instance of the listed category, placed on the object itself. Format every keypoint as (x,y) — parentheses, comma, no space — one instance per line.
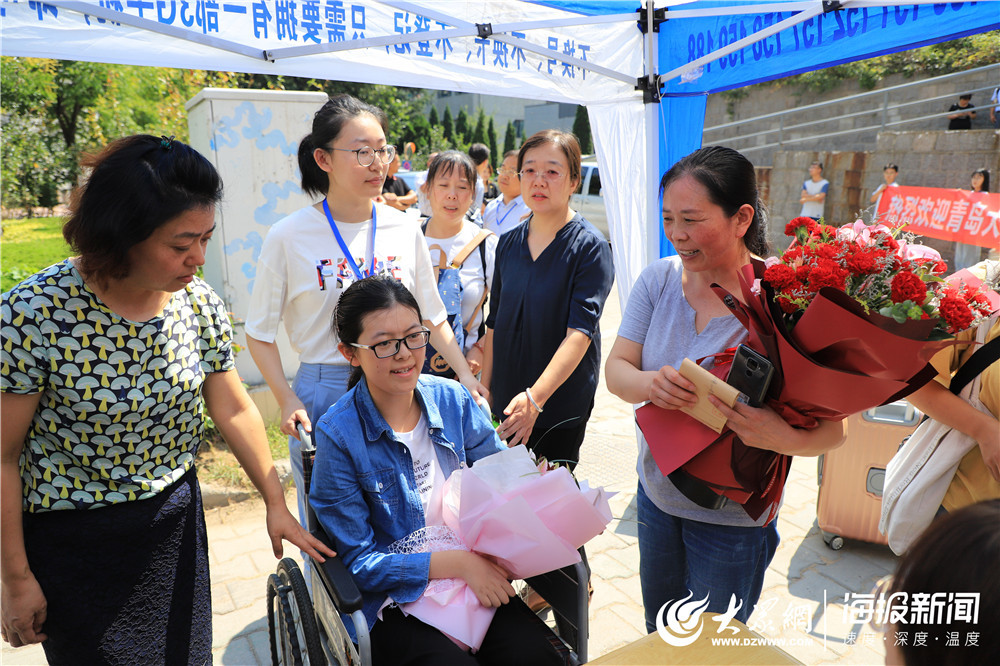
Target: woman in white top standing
(310,257)
(454,240)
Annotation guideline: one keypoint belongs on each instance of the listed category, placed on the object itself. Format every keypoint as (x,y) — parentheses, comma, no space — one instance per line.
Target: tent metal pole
(654,216)
(157,27)
(801,17)
(650,111)
(650,45)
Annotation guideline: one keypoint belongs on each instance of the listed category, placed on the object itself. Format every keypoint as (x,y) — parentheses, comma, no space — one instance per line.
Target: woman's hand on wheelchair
(294,412)
(282,525)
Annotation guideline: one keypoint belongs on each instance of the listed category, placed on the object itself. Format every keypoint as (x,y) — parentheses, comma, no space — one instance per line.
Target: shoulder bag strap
(464,253)
(977,363)
(486,293)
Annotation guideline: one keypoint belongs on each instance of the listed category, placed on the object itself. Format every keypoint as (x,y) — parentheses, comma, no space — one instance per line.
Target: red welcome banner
(956,215)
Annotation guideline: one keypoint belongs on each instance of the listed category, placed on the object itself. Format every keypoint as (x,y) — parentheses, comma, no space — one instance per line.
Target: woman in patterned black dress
(105,361)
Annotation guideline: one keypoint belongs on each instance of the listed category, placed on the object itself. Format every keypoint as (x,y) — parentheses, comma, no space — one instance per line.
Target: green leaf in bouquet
(913,311)
(896,311)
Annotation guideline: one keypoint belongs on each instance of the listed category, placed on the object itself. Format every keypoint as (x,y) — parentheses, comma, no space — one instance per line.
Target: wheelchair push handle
(305,437)
(308,451)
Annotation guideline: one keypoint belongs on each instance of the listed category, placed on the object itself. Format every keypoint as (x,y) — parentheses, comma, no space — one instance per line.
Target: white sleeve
(267,301)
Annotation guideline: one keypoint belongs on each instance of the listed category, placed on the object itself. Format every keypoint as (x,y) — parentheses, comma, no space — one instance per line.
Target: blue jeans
(678,556)
(318,386)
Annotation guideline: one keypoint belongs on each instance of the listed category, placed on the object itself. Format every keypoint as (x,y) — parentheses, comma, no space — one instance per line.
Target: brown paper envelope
(706,383)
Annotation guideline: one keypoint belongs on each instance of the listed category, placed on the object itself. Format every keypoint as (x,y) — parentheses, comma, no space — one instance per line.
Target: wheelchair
(308,628)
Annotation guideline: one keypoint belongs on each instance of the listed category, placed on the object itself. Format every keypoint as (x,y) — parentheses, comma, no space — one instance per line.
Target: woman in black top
(552,276)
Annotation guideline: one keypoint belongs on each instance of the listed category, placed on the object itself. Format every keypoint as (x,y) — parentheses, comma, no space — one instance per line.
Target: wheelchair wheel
(291,623)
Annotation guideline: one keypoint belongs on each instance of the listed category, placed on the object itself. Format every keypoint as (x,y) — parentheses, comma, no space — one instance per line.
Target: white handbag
(918,476)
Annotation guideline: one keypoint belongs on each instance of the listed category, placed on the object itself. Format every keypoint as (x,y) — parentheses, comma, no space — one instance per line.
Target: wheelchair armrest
(562,591)
(567,592)
(337,579)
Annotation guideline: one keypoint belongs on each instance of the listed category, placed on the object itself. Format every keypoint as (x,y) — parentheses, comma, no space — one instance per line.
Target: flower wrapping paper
(837,360)
(529,519)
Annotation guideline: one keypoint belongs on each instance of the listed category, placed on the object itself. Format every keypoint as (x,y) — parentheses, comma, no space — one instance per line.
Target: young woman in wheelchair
(383,453)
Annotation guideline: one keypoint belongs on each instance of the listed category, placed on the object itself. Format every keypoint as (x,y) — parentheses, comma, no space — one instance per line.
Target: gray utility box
(252,138)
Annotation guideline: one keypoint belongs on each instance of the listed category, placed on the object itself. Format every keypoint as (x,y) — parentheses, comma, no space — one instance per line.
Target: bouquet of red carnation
(850,318)
(894,278)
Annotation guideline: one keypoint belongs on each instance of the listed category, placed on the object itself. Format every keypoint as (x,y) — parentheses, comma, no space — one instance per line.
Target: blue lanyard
(358,273)
(512,207)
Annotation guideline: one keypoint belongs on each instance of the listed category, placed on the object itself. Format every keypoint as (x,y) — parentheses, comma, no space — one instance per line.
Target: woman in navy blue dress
(552,276)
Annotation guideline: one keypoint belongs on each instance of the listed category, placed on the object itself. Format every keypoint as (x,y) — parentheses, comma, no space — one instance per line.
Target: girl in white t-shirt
(452,239)
(311,256)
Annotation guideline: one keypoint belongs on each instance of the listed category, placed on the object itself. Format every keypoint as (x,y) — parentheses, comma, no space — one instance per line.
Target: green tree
(581,127)
(418,130)
(44,106)
(78,88)
(436,143)
(33,165)
(432,117)
(509,138)
(463,133)
(448,127)
(491,135)
(479,131)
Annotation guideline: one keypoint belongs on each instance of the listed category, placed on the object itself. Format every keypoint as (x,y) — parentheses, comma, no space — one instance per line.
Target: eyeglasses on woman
(387,348)
(547,174)
(366,154)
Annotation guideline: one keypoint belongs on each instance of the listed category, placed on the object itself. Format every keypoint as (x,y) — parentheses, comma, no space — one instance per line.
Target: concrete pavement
(801,604)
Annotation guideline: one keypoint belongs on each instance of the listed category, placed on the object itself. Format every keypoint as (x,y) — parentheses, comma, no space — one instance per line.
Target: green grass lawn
(29,245)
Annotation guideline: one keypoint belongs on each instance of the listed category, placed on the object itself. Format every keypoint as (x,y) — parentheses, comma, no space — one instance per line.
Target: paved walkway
(801,603)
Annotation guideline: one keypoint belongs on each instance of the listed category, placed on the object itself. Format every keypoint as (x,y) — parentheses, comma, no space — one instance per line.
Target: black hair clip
(166,143)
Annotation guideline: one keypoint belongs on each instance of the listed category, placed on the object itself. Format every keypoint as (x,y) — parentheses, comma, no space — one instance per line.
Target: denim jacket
(363,489)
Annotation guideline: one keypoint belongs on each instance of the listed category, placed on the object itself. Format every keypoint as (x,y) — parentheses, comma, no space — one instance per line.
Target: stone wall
(925,159)
(771,98)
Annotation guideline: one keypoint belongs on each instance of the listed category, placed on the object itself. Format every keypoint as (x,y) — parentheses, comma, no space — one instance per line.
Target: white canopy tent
(598,54)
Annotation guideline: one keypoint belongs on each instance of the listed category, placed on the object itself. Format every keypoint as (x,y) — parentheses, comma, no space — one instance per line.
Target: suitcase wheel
(834,541)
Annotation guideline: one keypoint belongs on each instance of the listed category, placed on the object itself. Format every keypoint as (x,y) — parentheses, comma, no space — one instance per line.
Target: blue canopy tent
(643,72)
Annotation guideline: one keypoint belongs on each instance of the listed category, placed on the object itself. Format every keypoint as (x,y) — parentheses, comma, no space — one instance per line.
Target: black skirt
(128,583)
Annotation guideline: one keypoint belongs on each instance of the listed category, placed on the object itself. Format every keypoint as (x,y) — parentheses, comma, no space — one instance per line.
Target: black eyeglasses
(390,347)
(366,155)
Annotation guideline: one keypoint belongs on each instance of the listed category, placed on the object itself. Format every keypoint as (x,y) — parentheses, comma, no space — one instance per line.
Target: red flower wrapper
(836,361)
(850,319)
(751,477)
